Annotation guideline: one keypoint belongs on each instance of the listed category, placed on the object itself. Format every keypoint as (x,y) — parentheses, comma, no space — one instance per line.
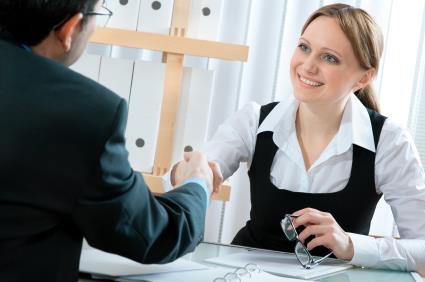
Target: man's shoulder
(88,87)
(41,71)
(55,89)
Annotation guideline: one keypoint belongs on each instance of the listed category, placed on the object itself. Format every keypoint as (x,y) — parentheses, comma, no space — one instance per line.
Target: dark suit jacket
(64,175)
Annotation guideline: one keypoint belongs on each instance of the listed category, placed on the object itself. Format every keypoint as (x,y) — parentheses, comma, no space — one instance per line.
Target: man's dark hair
(30,21)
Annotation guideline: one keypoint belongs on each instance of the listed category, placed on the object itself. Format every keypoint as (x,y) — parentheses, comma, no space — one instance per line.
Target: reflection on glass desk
(207,250)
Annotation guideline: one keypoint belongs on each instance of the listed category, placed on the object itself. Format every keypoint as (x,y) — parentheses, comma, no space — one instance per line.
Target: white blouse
(398,172)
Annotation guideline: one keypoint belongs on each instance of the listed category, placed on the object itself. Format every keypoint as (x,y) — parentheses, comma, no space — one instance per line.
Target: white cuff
(166,181)
(366,251)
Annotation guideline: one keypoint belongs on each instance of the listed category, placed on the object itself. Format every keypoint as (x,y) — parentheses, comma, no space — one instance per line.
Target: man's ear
(365,79)
(66,31)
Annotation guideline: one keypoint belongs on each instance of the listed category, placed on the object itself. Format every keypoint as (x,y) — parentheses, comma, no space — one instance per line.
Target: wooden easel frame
(174,47)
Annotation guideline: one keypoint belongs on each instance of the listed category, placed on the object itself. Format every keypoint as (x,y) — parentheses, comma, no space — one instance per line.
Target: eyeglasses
(104,11)
(240,273)
(302,253)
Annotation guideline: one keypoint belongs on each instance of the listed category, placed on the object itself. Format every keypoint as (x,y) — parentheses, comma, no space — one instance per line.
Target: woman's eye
(303,47)
(330,59)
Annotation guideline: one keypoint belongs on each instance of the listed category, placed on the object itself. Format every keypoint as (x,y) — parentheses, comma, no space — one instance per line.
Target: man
(63,164)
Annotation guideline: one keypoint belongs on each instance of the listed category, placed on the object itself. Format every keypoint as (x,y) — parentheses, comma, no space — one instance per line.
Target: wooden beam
(170,44)
(172,91)
(169,107)
(224,194)
(180,19)
(155,185)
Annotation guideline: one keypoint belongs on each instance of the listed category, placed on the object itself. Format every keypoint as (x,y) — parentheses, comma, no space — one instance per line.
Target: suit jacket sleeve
(117,213)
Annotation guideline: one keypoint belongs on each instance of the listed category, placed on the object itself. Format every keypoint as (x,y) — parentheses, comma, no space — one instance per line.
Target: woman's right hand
(194,165)
(217,176)
(215,169)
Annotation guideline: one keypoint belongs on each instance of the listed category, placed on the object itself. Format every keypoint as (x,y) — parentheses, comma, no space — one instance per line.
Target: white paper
(88,65)
(156,19)
(182,276)
(97,262)
(99,49)
(126,14)
(144,114)
(193,112)
(280,264)
(264,276)
(208,275)
(116,75)
(204,21)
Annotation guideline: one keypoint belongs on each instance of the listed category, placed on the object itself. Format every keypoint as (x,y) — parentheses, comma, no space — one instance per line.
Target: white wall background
(271,29)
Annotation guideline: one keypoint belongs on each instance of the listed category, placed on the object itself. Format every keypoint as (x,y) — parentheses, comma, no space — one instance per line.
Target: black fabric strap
(265,110)
(377,124)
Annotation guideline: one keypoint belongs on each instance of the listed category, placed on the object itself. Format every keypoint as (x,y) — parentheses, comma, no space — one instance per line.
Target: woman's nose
(310,65)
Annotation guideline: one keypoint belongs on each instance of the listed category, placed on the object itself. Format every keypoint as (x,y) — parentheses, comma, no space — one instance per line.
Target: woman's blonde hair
(365,37)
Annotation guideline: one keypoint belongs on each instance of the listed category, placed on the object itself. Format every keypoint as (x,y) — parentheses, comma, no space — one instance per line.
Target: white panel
(381,14)
(193,113)
(88,65)
(204,22)
(379,11)
(348,2)
(126,13)
(401,54)
(264,38)
(152,56)
(155,16)
(204,19)
(296,14)
(195,62)
(382,223)
(237,209)
(116,75)
(144,114)
(119,52)
(141,16)
(233,28)
(212,221)
(99,49)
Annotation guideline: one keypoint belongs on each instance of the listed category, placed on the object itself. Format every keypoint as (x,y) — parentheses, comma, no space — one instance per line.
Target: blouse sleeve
(399,175)
(234,140)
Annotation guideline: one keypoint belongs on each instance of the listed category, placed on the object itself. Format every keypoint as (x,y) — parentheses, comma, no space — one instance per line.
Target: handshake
(195,164)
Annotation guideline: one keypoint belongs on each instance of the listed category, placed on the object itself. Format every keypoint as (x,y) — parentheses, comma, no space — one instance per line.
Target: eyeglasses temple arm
(323,258)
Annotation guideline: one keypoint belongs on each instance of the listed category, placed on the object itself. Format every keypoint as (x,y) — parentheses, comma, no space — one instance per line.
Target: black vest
(352,207)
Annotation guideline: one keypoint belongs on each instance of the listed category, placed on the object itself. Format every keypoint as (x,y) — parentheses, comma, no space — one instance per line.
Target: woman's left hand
(326,231)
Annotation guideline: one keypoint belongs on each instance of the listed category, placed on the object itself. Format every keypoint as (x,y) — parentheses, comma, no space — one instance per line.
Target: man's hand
(194,165)
(216,171)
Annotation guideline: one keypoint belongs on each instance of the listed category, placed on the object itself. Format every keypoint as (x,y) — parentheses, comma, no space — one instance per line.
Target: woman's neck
(316,125)
(319,120)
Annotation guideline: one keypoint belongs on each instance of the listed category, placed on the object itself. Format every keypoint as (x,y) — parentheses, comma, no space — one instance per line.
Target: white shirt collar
(355,127)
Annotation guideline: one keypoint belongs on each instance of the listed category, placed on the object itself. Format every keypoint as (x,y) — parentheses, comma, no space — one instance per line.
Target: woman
(326,155)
